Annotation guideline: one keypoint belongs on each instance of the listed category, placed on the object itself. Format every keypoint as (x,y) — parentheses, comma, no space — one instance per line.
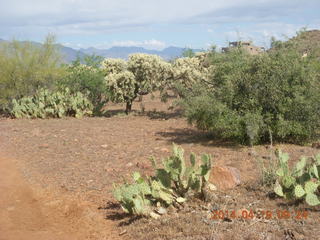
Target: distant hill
(70,54)
(124,52)
(307,42)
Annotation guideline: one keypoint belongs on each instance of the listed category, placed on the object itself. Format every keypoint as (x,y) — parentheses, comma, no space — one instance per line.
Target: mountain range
(123,52)
(69,54)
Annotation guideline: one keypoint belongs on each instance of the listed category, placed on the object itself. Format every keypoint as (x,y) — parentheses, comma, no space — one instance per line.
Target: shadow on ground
(114,212)
(188,136)
(154,115)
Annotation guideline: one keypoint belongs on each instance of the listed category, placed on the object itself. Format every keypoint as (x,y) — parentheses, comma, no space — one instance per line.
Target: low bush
(254,99)
(85,76)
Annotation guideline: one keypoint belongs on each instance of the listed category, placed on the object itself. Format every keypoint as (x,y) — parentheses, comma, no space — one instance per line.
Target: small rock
(129,164)
(316,145)
(225,177)
(123,232)
(212,187)
(162,211)
(154,215)
(104,146)
(164,150)
(10,209)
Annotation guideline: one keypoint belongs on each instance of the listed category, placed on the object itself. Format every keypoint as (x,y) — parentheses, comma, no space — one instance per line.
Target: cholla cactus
(140,75)
(114,65)
(150,70)
(188,71)
(121,86)
(144,73)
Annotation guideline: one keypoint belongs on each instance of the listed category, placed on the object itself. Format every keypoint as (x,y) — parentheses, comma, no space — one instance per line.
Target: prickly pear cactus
(168,186)
(46,104)
(301,182)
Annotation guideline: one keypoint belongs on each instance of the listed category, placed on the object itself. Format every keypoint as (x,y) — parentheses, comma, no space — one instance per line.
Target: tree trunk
(128,107)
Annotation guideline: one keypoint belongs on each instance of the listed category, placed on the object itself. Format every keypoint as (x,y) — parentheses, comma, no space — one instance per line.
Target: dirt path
(27,213)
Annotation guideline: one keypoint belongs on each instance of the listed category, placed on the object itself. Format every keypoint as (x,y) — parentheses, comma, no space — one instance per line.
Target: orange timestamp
(262,214)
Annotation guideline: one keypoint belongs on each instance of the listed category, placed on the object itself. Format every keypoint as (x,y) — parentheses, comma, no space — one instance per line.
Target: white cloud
(85,15)
(148,44)
(152,44)
(83,18)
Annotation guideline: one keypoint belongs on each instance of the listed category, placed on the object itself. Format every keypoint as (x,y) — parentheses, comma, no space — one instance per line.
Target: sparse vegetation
(273,97)
(171,185)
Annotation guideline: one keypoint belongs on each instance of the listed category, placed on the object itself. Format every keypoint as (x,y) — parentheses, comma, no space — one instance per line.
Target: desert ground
(57,175)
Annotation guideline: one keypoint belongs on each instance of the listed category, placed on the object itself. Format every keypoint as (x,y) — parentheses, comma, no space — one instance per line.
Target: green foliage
(168,186)
(300,182)
(46,104)
(143,74)
(26,67)
(184,177)
(188,52)
(250,98)
(87,78)
(140,75)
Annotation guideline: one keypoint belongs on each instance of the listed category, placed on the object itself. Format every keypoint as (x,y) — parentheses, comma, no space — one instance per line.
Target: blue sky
(155,24)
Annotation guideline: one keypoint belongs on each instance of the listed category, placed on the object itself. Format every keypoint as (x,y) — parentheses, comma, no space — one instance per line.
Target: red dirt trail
(27,213)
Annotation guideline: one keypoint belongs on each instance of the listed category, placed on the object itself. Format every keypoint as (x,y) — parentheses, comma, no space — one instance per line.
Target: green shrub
(301,182)
(170,184)
(254,98)
(86,76)
(25,67)
(47,104)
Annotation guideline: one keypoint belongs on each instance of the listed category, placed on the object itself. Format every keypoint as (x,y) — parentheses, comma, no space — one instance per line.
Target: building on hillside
(246,45)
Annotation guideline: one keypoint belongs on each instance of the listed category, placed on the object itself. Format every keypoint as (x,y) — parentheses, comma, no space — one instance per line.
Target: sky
(156,24)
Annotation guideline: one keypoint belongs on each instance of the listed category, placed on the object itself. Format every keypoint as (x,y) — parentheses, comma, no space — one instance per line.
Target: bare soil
(56,179)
